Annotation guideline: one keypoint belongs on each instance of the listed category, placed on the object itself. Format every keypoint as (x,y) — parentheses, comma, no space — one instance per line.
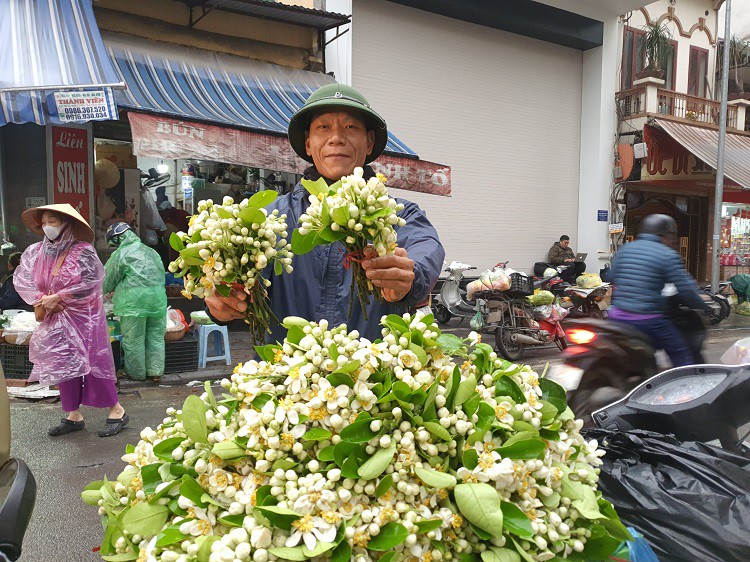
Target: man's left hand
(393,274)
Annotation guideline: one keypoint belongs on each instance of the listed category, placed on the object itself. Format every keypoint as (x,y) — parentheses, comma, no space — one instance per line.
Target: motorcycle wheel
(597,391)
(442,314)
(593,311)
(506,347)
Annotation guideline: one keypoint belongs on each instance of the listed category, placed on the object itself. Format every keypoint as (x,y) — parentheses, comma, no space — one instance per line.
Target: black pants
(571,273)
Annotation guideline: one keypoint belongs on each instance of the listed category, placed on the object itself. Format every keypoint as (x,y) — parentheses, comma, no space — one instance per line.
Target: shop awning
(214,88)
(704,143)
(53,64)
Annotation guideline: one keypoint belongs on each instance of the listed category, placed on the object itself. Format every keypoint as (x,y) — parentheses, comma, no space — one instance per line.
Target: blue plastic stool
(219,332)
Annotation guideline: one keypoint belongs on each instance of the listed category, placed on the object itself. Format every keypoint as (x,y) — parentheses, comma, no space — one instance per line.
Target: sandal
(66,426)
(114,426)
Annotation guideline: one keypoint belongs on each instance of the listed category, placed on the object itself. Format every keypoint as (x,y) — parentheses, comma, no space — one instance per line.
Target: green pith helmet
(336,96)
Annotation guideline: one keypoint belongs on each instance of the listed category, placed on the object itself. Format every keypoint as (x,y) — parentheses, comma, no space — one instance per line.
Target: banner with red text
(70,167)
(164,137)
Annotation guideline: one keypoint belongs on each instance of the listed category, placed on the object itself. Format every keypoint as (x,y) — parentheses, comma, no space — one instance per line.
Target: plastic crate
(521,284)
(181,356)
(15,359)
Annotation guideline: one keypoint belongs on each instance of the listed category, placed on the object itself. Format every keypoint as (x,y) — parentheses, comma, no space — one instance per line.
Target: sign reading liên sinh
(82,106)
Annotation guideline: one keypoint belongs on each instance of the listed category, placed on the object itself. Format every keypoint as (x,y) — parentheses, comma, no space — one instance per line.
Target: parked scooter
(694,403)
(17,488)
(585,303)
(452,298)
(606,360)
(720,298)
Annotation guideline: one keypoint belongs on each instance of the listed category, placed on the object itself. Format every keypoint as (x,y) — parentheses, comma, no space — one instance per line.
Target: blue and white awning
(200,85)
(53,65)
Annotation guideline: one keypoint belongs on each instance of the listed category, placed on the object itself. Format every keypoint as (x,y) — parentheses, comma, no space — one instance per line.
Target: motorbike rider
(639,272)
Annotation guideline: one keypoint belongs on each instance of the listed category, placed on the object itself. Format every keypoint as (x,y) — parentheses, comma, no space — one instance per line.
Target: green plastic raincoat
(136,275)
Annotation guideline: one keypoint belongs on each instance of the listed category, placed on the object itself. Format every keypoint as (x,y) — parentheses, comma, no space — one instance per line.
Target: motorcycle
(608,359)
(579,302)
(17,488)
(452,298)
(720,298)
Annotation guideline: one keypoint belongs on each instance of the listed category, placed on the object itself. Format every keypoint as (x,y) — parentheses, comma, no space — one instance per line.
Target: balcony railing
(637,102)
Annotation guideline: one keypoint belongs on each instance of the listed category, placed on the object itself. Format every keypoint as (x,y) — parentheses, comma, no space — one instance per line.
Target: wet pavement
(64,529)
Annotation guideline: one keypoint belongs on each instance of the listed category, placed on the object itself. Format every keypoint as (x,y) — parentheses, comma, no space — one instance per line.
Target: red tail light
(581,336)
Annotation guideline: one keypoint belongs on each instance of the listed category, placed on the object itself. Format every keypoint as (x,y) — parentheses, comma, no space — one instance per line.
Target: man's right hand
(228,308)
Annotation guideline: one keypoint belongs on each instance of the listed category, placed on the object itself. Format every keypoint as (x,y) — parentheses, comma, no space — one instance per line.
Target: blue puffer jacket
(642,268)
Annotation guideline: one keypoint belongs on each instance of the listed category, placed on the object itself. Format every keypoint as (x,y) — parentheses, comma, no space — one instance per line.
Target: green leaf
(480,504)
(262,198)
(516,521)
(435,478)
(396,324)
(233,520)
(465,390)
(486,414)
(192,491)
(150,477)
(145,519)
(391,535)
(385,484)
(176,242)
(251,216)
(358,432)
(549,412)
(228,450)
(303,243)
(471,405)
(377,463)
(342,553)
(437,430)
(280,517)
(91,497)
(278,267)
(522,553)
(223,290)
(549,434)
(317,187)
(419,352)
(170,535)
(326,454)
(554,394)
(506,386)
(452,388)
(163,449)
(450,343)
(194,419)
(341,215)
(124,557)
(210,394)
(526,449)
(428,525)
(204,553)
(338,378)
(330,235)
(496,554)
(470,459)
(587,506)
(317,434)
(320,548)
(293,553)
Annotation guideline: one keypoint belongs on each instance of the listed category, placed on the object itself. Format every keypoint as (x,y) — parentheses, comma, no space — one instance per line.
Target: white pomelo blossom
(415,445)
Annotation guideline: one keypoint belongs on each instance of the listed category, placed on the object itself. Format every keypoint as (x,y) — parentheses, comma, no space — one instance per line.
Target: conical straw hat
(106,174)
(81,229)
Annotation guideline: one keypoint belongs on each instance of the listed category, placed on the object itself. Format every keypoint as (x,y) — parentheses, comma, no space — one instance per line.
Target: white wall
(504,111)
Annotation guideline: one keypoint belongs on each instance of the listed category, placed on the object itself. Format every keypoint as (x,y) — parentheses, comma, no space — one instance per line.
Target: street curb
(175,379)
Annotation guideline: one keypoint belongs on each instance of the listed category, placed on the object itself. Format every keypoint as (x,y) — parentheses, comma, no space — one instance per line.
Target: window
(697,72)
(633,59)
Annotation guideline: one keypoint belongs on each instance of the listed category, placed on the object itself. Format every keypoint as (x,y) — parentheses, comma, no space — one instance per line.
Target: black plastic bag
(690,500)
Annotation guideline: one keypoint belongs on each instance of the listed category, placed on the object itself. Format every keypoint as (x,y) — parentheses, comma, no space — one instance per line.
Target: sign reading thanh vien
(162,137)
(70,162)
(82,106)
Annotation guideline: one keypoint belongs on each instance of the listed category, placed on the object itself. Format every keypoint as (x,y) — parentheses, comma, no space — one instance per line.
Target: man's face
(338,142)
(564,243)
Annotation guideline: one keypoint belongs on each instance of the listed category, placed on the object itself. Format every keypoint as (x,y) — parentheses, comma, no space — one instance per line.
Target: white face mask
(52,232)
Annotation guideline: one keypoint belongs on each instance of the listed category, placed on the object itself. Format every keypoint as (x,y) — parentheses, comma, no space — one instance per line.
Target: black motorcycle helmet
(663,226)
(115,232)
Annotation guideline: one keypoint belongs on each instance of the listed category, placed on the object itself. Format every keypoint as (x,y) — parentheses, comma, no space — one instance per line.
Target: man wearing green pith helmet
(337,130)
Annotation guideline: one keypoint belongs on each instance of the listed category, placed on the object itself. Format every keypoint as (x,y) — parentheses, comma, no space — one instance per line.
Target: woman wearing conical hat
(70,348)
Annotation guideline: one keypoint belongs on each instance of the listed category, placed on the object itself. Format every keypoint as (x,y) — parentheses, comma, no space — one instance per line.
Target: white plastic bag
(495,280)
(738,354)
(174,321)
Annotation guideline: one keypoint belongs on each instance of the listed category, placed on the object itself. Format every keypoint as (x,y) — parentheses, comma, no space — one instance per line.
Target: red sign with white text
(163,137)
(70,167)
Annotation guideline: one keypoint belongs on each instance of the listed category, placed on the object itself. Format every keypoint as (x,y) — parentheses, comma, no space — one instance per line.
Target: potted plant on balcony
(656,49)
(739,56)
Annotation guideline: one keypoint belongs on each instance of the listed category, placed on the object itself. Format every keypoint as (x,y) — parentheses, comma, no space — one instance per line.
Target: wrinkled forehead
(342,113)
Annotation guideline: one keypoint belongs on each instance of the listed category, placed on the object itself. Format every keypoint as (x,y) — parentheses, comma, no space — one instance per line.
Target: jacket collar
(649,237)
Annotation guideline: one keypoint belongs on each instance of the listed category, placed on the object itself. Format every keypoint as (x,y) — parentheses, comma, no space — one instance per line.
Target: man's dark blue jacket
(641,269)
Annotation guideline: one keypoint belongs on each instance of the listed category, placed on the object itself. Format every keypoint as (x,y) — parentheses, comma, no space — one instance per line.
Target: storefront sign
(31,202)
(70,167)
(162,137)
(615,228)
(602,215)
(83,106)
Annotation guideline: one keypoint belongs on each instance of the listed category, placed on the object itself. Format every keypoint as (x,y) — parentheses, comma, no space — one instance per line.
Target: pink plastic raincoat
(75,342)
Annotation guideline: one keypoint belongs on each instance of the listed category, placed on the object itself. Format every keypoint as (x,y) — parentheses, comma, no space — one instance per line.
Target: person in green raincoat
(136,275)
